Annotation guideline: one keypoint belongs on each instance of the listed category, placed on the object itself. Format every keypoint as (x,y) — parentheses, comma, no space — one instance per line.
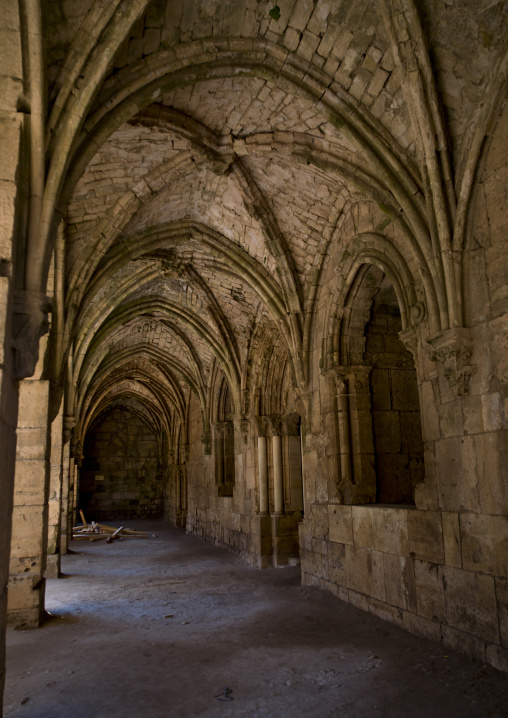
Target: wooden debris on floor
(98,532)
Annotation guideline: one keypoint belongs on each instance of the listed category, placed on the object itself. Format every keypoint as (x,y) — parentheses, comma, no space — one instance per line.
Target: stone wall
(120,477)
(262,531)
(227,521)
(413,569)
(440,568)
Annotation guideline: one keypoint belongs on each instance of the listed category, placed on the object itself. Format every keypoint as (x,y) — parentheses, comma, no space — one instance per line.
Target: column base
(53,563)
(285,543)
(25,601)
(263,541)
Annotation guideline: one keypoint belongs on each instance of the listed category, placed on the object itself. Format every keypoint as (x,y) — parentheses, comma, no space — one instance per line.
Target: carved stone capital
(206,440)
(337,379)
(452,349)
(410,340)
(30,322)
(275,424)
(69,423)
(224,429)
(260,425)
(242,429)
(291,424)
(278,424)
(361,379)
(354,377)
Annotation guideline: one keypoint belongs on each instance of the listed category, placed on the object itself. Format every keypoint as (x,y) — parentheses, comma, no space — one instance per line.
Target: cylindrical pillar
(278,485)
(178,495)
(64,529)
(346,465)
(25,605)
(183,488)
(262,475)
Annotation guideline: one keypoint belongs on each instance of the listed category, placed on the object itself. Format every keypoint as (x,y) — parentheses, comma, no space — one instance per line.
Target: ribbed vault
(268,240)
(209,182)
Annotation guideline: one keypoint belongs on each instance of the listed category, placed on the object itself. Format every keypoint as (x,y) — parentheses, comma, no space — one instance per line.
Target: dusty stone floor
(157,628)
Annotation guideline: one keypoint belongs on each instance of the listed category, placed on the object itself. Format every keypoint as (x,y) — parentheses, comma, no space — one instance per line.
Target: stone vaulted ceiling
(213,159)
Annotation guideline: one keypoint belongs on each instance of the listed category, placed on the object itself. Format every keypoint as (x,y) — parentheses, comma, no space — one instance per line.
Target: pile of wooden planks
(100,532)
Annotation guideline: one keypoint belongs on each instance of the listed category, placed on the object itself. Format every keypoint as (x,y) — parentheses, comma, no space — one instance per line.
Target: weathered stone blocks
(425,535)
(363,526)
(399,582)
(26,601)
(421,626)
(492,469)
(429,590)
(390,531)
(340,524)
(502,607)
(451,538)
(470,603)
(485,543)
(365,571)
(457,478)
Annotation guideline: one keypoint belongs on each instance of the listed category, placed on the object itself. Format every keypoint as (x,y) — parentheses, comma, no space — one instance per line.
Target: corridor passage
(158,628)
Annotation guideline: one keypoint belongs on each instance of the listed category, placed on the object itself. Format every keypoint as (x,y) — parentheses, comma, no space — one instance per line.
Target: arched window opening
(398,445)
(379,436)
(224,443)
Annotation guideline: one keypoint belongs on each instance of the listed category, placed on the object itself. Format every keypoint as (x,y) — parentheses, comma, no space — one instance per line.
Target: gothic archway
(379,434)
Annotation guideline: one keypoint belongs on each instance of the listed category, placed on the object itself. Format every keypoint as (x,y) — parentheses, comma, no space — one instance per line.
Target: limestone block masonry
(272,242)
(30,513)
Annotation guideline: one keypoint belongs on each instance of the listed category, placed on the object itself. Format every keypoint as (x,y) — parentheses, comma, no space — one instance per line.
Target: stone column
(263,476)
(343,419)
(225,468)
(362,434)
(357,480)
(64,536)
(25,605)
(183,482)
(292,462)
(218,430)
(278,478)
(263,535)
(183,490)
(68,425)
(304,501)
(287,482)
(55,497)
(11,123)
(71,496)
(73,506)
(178,495)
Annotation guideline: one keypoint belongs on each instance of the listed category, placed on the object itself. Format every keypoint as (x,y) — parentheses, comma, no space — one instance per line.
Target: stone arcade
(253,279)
